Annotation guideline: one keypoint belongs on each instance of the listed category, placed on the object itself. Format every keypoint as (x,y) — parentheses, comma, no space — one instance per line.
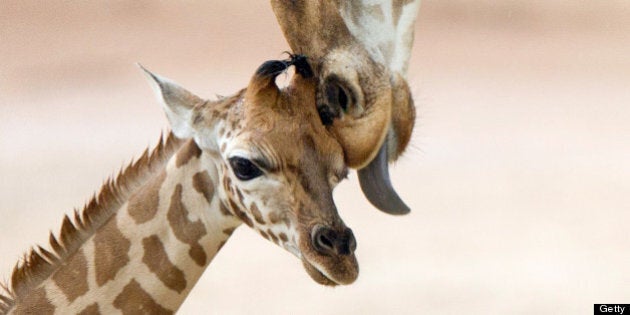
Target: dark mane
(38,264)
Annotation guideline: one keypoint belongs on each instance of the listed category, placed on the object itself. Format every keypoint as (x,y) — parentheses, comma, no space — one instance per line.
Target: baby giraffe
(261,157)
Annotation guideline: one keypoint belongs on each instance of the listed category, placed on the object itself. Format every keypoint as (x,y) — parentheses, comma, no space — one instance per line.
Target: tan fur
(39,264)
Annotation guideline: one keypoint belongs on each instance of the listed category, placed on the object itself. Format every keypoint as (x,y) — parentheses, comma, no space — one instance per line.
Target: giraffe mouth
(332,270)
(317,275)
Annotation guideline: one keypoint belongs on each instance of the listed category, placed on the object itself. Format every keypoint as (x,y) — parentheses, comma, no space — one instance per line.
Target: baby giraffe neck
(147,257)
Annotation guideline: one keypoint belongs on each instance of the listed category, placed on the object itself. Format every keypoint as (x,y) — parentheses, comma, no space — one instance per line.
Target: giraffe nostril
(324,240)
(329,242)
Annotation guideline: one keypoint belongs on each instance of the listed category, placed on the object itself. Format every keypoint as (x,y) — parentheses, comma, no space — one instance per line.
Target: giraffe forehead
(292,149)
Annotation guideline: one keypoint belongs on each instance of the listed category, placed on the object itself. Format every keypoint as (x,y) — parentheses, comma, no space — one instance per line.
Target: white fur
(179,115)
(385,42)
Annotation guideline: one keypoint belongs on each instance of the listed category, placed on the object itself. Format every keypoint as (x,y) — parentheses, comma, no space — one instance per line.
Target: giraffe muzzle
(328,241)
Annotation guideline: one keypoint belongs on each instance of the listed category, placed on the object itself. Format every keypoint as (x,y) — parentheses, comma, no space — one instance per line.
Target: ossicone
(266,74)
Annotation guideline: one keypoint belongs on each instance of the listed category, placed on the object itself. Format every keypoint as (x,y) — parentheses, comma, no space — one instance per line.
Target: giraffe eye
(244,169)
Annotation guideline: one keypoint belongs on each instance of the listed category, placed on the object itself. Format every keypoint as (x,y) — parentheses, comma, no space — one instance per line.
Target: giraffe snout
(328,241)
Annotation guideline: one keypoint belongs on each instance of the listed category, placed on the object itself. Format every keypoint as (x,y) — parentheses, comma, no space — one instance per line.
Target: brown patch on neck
(135,300)
(156,258)
(92,309)
(71,277)
(34,303)
(185,230)
(111,252)
(143,205)
(188,151)
(203,184)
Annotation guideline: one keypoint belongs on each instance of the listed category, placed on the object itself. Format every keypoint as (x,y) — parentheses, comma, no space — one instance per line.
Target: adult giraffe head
(359,50)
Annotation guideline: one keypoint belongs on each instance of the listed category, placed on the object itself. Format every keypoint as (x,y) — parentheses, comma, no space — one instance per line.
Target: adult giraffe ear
(177,102)
(360,51)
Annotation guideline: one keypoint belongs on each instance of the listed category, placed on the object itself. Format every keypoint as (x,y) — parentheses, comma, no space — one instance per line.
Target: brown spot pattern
(284,237)
(263,234)
(274,217)
(188,151)
(35,302)
(185,230)
(256,213)
(203,184)
(135,300)
(143,205)
(111,250)
(240,214)
(273,236)
(227,183)
(224,210)
(240,196)
(156,258)
(71,277)
(90,310)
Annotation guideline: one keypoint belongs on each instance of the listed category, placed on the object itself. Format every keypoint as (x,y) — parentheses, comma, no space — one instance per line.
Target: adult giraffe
(359,50)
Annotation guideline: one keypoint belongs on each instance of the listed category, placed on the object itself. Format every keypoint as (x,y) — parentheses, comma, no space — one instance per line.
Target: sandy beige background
(519,174)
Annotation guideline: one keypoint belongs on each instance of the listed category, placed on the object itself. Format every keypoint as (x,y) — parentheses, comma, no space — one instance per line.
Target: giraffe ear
(178,103)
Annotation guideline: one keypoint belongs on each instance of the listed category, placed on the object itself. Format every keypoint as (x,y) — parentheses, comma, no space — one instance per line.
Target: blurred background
(518,174)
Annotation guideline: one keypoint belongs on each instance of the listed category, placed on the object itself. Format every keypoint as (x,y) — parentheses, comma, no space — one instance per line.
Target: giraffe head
(359,50)
(276,164)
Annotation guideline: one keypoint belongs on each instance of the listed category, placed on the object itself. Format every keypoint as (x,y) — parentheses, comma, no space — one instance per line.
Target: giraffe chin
(317,275)
(344,278)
